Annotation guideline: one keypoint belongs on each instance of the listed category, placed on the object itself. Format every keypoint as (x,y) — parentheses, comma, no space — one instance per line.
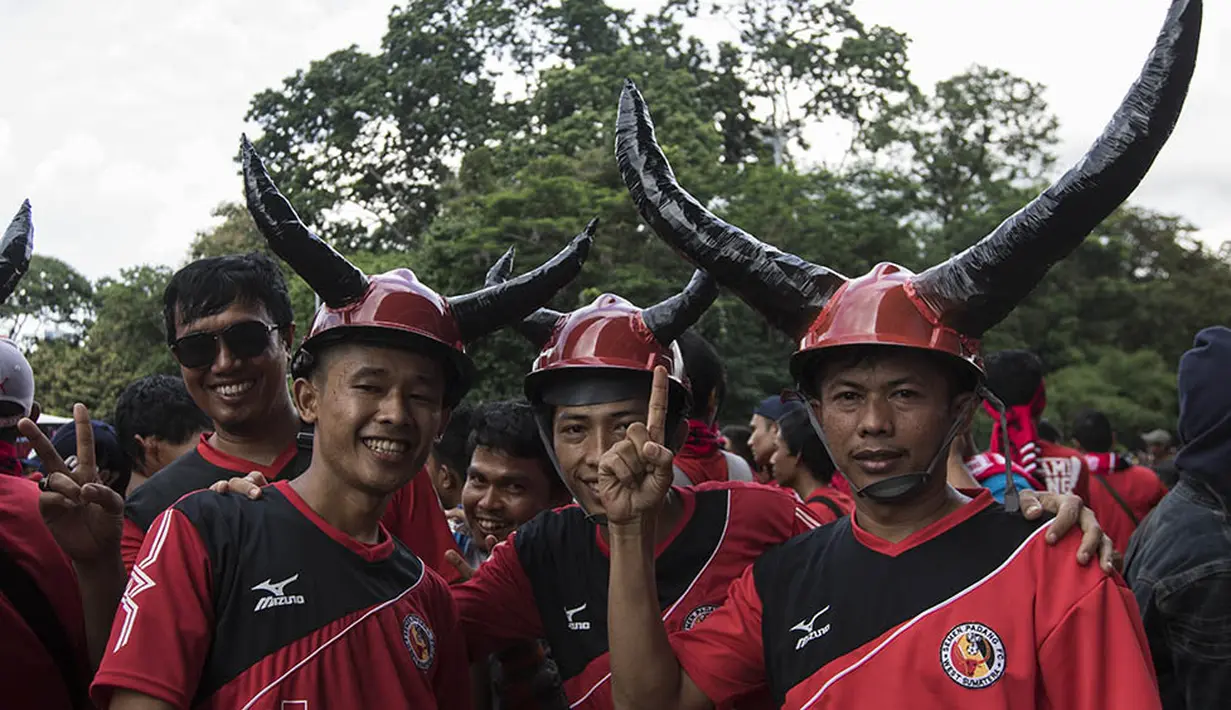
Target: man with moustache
(920,592)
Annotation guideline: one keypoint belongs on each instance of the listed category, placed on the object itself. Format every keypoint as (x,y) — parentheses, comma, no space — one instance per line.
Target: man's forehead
(495,463)
(236,312)
(361,359)
(890,366)
(626,407)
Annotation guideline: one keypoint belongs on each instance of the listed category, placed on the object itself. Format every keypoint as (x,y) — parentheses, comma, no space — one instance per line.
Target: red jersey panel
(549,579)
(974,610)
(828,503)
(1138,487)
(35,675)
(414,515)
(236,603)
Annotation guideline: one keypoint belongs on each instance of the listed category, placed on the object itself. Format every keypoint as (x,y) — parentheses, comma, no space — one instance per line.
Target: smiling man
(303,598)
(510,478)
(924,594)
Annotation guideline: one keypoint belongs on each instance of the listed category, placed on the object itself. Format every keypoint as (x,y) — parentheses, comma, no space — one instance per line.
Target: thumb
(490,541)
(463,568)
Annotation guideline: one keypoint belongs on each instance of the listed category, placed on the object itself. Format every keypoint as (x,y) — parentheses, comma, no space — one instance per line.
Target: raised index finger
(85,470)
(656,420)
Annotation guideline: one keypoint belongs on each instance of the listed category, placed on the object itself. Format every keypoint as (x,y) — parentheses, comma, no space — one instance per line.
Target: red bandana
(10,464)
(703,439)
(1022,433)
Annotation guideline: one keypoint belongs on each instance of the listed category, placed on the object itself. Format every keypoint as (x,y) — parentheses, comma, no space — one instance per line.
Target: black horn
(668,320)
(506,303)
(337,281)
(787,290)
(536,327)
(975,290)
(16,248)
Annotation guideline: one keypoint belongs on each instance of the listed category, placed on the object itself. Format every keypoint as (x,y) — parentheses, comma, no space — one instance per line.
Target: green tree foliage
(125,341)
(52,296)
(485,124)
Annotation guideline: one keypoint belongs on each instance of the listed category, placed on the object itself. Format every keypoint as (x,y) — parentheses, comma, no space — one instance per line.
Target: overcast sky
(119,119)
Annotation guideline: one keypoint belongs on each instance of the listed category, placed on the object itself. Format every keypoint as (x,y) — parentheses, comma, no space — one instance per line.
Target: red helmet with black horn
(395,307)
(947,308)
(607,351)
(16,248)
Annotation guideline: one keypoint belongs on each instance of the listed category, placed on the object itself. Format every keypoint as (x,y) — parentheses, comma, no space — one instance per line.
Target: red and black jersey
(198,469)
(549,579)
(236,603)
(414,515)
(973,610)
(44,664)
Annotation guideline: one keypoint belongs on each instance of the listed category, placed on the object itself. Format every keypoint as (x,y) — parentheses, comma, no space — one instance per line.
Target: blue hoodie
(1205,412)
(1179,559)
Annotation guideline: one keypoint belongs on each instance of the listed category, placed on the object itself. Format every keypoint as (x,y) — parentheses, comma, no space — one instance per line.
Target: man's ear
(964,406)
(35,412)
(445,414)
(149,452)
(307,398)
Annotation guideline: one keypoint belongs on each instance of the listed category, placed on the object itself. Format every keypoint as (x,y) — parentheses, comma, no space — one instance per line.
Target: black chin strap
(902,487)
(1012,502)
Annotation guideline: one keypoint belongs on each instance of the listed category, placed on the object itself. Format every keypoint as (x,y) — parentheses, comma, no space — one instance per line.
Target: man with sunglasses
(304,598)
(925,595)
(230,326)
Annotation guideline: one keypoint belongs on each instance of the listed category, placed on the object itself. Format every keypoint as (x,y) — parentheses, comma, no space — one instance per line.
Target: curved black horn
(787,290)
(668,320)
(536,327)
(506,303)
(330,275)
(975,290)
(15,250)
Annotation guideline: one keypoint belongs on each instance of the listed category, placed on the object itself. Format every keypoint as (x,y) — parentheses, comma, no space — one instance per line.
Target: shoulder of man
(190,472)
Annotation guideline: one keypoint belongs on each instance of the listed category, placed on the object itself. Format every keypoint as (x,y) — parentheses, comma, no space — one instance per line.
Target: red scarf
(10,463)
(1023,436)
(703,440)
(1102,464)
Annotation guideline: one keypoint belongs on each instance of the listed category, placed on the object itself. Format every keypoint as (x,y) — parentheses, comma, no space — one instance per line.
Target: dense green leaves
(484,124)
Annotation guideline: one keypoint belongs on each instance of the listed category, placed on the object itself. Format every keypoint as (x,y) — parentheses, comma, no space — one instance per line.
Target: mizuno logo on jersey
(278,595)
(576,625)
(810,633)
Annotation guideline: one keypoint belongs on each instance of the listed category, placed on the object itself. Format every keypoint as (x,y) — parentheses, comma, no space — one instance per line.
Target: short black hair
(509,427)
(1014,375)
(451,449)
(1049,432)
(1092,429)
(795,428)
(962,378)
(706,374)
(209,286)
(158,406)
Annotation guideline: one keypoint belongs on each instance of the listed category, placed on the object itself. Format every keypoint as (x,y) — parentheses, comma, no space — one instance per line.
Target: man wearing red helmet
(925,594)
(548,579)
(304,598)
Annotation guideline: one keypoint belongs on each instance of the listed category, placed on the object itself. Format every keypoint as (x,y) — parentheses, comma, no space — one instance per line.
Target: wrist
(105,566)
(633,530)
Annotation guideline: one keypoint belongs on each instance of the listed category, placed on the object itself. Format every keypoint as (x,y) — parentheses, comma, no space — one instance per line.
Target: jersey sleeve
(163,627)
(496,606)
(723,654)
(131,538)
(451,684)
(1098,656)
(414,517)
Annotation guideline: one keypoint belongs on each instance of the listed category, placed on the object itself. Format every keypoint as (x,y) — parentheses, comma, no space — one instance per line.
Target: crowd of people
(370,536)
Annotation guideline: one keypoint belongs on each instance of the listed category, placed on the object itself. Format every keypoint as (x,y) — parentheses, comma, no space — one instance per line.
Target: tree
(51,299)
(236,234)
(125,341)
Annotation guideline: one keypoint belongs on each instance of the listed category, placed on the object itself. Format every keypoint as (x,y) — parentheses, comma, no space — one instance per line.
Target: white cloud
(121,118)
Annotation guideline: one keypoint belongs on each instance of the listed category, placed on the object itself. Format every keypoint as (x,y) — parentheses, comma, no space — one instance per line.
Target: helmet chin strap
(1012,502)
(904,487)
